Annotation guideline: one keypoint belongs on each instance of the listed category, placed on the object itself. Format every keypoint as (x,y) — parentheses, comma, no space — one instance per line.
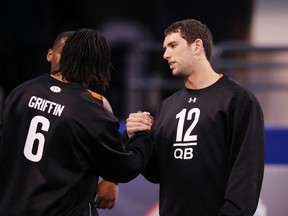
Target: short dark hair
(190,30)
(86,59)
(61,35)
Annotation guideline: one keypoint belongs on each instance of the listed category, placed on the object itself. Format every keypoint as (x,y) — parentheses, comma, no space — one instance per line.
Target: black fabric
(56,140)
(209,151)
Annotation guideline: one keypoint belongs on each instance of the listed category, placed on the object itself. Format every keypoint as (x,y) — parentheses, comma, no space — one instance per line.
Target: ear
(49,55)
(198,45)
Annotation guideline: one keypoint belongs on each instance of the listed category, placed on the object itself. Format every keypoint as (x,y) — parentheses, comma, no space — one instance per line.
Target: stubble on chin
(176,73)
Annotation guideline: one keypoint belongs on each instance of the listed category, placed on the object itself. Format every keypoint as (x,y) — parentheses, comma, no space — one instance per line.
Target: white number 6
(33,135)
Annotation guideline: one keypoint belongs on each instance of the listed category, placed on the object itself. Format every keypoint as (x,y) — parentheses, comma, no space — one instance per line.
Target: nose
(165,54)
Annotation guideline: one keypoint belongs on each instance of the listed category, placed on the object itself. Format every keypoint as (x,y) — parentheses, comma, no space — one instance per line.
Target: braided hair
(86,59)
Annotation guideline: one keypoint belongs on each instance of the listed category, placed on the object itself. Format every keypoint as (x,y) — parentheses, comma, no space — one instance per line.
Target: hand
(140,121)
(106,195)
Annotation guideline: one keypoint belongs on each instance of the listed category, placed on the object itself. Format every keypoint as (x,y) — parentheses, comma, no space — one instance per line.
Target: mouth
(171,64)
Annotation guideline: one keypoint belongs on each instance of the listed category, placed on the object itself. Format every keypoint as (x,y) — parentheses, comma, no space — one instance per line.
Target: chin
(176,74)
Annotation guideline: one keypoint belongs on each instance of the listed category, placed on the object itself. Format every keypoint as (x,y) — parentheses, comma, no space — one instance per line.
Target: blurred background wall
(251,45)
(28,29)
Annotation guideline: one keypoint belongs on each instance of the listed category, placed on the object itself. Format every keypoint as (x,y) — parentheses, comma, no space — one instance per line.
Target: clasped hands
(140,121)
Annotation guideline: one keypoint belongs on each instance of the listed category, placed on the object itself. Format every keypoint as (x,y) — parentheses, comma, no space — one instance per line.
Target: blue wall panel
(276,145)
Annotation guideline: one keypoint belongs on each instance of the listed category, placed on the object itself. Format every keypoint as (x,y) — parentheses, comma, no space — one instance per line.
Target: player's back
(44,168)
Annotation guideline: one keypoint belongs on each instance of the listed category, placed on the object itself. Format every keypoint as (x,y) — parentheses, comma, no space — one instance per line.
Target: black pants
(91,210)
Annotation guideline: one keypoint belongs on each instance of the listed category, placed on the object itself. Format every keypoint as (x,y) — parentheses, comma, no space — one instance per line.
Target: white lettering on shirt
(46,106)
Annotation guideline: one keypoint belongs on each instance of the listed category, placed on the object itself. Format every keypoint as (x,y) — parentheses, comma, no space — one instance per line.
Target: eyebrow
(170,43)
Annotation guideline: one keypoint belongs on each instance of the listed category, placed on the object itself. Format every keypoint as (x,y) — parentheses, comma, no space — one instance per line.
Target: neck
(201,77)
(59,77)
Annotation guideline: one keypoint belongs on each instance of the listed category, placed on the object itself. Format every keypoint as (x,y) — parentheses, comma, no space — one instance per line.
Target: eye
(172,45)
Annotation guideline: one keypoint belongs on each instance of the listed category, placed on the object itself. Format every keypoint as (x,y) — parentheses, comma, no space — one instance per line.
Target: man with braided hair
(107,192)
(57,139)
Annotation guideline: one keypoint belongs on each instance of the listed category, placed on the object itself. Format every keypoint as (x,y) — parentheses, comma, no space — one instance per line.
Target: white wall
(270,22)
(270,28)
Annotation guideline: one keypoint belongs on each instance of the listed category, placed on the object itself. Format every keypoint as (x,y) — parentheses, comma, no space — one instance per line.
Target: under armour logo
(192,99)
(55,89)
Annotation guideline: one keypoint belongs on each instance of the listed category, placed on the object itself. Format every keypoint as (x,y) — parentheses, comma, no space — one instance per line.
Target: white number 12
(182,117)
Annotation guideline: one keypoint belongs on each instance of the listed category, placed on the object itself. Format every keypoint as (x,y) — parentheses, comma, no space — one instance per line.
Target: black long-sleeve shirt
(209,151)
(56,140)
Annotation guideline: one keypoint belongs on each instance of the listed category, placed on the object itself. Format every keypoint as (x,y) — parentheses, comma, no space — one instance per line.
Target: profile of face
(179,54)
(54,54)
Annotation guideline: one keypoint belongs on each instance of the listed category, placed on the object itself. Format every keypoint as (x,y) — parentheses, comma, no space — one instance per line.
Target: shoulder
(107,105)
(175,96)
(172,101)
(238,92)
(29,84)
(101,98)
